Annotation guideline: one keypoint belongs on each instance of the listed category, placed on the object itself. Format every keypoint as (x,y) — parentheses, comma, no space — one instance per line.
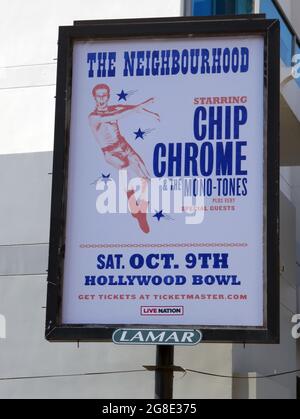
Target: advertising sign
(166,145)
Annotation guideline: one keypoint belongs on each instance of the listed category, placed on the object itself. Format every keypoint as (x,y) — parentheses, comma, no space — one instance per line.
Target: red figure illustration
(117,152)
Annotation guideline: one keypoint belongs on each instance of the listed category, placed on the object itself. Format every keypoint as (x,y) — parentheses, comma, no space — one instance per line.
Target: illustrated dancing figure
(117,152)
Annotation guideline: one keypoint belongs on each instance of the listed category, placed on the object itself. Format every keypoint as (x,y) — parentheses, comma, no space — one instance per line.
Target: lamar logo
(156,337)
(2,327)
(162,311)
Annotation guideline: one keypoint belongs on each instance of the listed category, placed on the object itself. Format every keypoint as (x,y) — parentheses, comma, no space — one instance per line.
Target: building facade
(27,102)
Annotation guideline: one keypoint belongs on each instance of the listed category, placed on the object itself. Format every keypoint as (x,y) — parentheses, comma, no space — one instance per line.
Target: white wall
(28,35)
(287,6)
(292,10)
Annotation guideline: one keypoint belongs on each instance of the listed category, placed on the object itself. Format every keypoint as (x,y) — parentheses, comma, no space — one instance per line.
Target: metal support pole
(164,372)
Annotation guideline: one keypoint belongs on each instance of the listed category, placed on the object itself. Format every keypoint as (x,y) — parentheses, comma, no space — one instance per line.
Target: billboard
(165,188)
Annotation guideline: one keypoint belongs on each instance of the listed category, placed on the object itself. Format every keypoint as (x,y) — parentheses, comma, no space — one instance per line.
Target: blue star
(159,215)
(105,178)
(139,134)
(122,95)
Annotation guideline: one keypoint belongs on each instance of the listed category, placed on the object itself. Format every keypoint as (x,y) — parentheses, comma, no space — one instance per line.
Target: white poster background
(174,95)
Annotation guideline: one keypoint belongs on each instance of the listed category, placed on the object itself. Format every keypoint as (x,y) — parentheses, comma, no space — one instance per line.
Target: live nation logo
(162,311)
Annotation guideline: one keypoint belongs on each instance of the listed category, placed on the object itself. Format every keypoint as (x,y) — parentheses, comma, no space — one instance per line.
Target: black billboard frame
(151,28)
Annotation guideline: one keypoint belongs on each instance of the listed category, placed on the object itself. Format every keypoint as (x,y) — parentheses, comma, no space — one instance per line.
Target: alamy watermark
(296,328)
